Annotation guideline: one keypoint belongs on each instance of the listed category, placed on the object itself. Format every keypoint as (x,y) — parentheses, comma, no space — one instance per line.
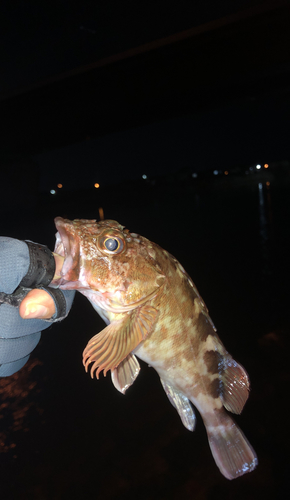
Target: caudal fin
(231,450)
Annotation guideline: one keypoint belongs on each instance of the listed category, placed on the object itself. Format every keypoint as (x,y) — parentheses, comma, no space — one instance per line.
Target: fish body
(154,312)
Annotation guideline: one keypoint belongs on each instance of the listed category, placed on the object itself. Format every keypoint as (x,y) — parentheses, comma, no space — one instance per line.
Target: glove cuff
(41,268)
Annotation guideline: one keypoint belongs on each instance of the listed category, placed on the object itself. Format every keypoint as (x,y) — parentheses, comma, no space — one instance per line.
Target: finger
(37,304)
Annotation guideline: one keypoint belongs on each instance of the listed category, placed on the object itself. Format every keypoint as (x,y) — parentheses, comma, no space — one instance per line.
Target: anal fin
(182,404)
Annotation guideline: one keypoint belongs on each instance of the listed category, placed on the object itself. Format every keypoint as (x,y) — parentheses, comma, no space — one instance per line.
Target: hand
(27,265)
(39,303)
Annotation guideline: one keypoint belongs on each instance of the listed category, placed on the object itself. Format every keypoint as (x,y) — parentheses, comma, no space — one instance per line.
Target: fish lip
(63,236)
(58,250)
(63,248)
(59,247)
(62,244)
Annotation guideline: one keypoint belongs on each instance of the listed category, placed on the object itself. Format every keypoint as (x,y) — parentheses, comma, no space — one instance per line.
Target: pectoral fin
(111,346)
(125,374)
(182,405)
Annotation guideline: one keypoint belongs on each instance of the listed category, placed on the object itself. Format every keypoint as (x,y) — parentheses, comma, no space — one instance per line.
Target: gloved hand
(26,269)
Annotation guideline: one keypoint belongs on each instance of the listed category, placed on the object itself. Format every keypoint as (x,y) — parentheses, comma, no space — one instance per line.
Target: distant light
(215,172)
(260,186)
(226,172)
(258,167)
(52,191)
(144,176)
(267,183)
(97,185)
(59,186)
(266,165)
(194,175)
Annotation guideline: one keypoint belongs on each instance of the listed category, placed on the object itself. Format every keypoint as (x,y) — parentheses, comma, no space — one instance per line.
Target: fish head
(107,259)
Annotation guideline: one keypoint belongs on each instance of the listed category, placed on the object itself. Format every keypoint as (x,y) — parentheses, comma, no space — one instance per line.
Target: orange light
(266,165)
(59,186)
(267,183)
(97,185)
(226,172)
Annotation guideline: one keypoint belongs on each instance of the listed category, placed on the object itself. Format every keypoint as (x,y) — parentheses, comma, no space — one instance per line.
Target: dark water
(65,436)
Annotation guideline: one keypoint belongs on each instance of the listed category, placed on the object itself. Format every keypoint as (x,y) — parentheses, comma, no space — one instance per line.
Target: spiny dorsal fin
(126,373)
(236,386)
(108,348)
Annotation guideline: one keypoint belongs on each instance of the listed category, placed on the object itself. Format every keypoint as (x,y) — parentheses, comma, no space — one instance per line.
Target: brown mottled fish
(154,311)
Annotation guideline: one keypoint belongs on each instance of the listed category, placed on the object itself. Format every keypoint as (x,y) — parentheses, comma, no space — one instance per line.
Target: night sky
(43,39)
(246,133)
(241,121)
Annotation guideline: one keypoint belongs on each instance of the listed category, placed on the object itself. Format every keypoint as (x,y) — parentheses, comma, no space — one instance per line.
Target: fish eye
(112,244)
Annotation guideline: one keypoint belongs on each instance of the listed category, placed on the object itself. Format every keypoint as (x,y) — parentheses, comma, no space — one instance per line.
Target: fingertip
(37,304)
(36,311)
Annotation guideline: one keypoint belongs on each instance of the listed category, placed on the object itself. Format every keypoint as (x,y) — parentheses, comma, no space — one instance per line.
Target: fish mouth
(59,246)
(66,247)
(62,243)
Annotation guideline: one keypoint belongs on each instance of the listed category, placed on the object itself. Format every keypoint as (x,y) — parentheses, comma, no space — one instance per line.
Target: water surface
(65,436)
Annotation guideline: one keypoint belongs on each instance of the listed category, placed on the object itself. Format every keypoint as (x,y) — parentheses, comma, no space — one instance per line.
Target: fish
(154,312)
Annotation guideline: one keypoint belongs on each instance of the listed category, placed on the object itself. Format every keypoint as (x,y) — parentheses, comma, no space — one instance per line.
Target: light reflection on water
(19,396)
(265,222)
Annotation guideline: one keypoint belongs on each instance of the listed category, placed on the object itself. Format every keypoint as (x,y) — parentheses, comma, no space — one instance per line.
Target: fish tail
(231,450)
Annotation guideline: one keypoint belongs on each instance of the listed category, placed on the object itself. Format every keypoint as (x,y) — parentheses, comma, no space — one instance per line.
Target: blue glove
(24,266)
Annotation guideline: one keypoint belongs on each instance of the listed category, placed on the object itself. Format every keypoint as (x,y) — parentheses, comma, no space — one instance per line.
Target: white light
(52,191)
(194,175)
(258,167)
(144,176)
(215,172)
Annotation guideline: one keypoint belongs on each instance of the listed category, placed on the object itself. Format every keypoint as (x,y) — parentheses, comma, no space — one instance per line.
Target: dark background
(106,92)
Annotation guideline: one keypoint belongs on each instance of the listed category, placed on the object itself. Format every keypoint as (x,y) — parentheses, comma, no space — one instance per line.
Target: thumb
(37,304)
